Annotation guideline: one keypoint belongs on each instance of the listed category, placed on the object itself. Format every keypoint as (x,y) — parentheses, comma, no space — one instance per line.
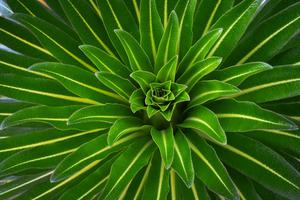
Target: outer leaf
(9,106)
(37,90)
(126,167)
(260,88)
(78,81)
(143,78)
(105,62)
(168,71)
(137,101)
(87,24)
(124,126)
(115,15)
(157,185)
(137,56)
(275,32)
(168,45)
(121,86)
(207,13)
(204,91)
(191,76)
(204,120)
(238,116)
(261,164)
(107,113)
(164,140)
(209,168)
(62,46)
(95,149)
(235,75)
(290,56)
(164,8)
(199,50)
(182,163)
(151,28)
(234,23)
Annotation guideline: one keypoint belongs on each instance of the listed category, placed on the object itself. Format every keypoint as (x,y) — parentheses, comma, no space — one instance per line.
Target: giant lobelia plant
(150,99)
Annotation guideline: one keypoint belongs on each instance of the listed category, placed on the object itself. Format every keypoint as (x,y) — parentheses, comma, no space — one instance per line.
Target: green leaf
(62,46)
(209,169)
(105,62)
(274,34)
(260,88)
(185,11)
(106,113)
(261,164)
(86,154)
(192,75)
(199,50)
(164,140)
(18,38)
(143,78)
(207,13)
(205,91)
(115,15)
(123,87)
(168,46)
(137,56)
(205,121)
(78,81)
(137,101)
(168,71)
(183,164)
(126,167)
(38,90)
(123,127)
(164,8)
(234,24)
(157,185)
(151,28)
(290,56)
(235,75)
(87,24)
(239,116)
(9,106)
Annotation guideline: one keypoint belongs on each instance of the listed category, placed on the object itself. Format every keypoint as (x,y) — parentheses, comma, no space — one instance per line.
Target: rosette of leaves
(150,99)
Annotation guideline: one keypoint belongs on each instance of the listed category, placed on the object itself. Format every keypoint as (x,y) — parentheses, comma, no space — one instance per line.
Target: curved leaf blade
(143,78)
(168,71)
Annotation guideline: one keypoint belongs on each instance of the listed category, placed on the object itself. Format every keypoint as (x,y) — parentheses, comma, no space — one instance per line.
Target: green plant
(162,99)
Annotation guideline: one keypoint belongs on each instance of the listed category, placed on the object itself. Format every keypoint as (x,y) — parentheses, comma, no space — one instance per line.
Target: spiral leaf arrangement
(150,99)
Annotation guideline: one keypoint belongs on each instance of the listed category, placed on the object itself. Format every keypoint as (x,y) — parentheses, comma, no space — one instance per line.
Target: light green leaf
(205,121)
(137,56)
(126,167)
(123,127)
(87,24)
(285,80)
(96,149)
(235,75)
(157,184)
(204,91)
(199,50)
(121,86)
(116,15)
(271,170)
(168,71)
(164,140)
(137,101)
(78,81)
(143,78)
(151,28)
(239,116)
(38,90)
(191,76)
(209,169)
(105,62)
(106,113)
(234,24)
(183,163)
(274,34)
(62,46)
(168,46)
